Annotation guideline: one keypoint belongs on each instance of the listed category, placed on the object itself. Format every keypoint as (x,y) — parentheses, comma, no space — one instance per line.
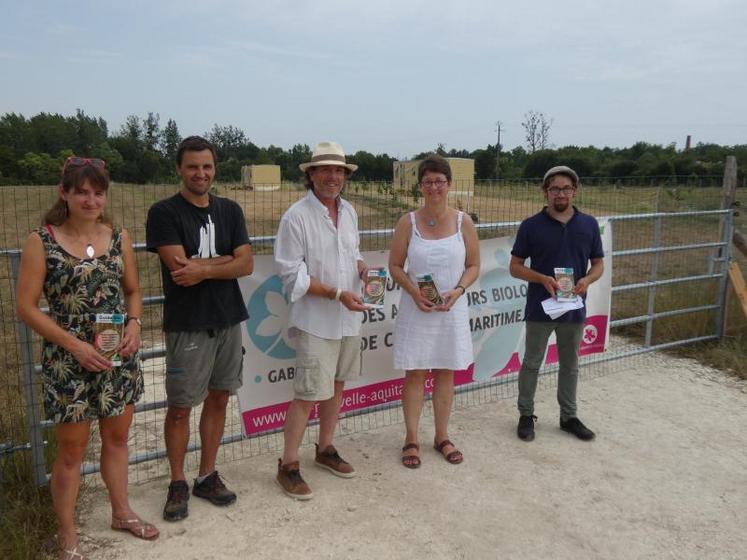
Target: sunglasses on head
(74,161)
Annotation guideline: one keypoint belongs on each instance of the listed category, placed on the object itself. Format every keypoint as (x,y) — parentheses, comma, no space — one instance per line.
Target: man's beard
(560,206)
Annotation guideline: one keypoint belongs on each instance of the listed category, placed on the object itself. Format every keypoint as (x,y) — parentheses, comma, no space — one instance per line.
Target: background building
(261,177)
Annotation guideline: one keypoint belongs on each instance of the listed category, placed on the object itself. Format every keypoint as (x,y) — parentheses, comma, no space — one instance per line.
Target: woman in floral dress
(84,266)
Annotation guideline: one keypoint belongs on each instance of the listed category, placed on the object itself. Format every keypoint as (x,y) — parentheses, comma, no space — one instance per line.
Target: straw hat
(328,153)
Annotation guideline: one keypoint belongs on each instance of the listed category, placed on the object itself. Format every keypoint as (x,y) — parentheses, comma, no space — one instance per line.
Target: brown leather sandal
(411,461)
(455,457)
(137,527)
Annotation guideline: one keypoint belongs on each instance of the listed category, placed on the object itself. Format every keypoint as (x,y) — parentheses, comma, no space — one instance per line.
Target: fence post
(728,190)
(652,289)
(27,373)
(727,228)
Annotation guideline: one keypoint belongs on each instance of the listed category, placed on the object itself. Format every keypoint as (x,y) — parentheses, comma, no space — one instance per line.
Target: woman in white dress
(429,336)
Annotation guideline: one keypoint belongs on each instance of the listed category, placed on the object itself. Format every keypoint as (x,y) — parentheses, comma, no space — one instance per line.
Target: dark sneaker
(176,507)
(213,490)
(576,427)
(289,479)
(329,459)
(525,429)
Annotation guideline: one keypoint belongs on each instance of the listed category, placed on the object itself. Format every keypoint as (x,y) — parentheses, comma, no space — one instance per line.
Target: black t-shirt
(213,231)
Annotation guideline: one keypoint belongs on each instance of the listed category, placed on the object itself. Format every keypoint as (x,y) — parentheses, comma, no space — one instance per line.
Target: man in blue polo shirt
(560,236)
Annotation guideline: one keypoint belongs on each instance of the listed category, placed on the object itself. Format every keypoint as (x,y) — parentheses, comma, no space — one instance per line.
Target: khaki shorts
(202,360)
(320,362)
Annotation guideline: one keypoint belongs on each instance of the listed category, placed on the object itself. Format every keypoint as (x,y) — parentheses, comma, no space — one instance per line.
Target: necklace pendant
(431,222)
(90,251)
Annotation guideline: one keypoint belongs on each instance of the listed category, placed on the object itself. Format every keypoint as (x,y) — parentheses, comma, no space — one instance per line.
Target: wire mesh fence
(669,255)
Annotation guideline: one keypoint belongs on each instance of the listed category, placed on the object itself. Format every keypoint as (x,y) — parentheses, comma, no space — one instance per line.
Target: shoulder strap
(116,242)
(414,225)
(460,217)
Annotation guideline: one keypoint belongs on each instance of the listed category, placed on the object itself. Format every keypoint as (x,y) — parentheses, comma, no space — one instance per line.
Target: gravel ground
(665,478)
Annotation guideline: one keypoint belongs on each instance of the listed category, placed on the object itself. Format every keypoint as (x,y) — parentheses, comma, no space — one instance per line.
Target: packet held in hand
(374,287)
(428,289)
(564,278)
(108,331)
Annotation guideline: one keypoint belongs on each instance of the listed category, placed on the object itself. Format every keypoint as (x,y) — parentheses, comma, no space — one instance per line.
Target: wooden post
(729,186)
(728,192)
(740,241)
(737,282)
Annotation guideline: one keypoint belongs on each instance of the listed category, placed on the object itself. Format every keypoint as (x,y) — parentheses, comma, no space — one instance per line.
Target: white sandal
(71,554)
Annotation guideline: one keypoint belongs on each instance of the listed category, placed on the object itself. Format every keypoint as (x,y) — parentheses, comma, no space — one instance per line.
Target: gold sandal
(137,527)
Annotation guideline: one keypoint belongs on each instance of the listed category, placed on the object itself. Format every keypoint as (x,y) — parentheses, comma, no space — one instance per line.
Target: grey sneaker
(576,427)
(213,490)
(176,507)
(525,429)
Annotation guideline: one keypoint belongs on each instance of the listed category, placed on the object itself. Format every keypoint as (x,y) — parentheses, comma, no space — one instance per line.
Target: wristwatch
(136,319)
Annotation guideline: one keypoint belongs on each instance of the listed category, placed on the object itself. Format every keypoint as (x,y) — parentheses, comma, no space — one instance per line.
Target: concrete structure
(261,177)
(462,177)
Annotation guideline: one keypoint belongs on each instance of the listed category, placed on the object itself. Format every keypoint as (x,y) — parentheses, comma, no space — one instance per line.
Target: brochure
(374,287)
(566,283)
(108,331)
(428,289)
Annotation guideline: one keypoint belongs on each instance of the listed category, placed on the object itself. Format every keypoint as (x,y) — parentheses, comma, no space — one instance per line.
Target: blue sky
(388,76)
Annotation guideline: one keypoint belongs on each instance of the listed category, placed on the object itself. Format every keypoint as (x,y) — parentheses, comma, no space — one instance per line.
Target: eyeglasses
(74,161)
(555,191)
(439,183)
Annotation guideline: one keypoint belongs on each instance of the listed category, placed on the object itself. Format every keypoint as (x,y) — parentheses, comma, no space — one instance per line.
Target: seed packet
(428,289)
(108,331)
(564,277)
(374,287)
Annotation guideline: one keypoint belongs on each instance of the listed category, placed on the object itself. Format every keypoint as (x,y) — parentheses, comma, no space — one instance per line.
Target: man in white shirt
(318,258)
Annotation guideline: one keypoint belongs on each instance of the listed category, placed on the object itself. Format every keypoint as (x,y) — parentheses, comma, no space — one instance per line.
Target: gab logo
(268,320)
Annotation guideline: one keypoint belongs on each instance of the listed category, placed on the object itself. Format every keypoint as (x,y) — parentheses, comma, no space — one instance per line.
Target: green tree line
(142,150)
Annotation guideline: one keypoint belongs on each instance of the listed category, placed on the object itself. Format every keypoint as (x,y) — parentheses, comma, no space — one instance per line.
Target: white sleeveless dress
(435,340)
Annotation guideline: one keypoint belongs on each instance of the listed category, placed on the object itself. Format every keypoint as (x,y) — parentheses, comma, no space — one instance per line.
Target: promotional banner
(496,304)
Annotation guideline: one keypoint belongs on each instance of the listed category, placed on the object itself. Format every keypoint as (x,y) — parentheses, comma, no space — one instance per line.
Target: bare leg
(295,425)
(72,440)
(212,424)
(443,397)
(176,432)
(412,405)
(329,413)
(114,460)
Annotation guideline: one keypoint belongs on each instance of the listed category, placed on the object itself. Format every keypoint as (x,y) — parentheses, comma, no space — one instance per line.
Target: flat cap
(560,170)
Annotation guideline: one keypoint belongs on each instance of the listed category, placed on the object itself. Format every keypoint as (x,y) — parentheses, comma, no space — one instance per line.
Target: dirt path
(666,478)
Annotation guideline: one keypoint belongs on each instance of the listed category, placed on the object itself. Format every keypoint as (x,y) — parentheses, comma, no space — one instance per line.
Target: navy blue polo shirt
(551,244)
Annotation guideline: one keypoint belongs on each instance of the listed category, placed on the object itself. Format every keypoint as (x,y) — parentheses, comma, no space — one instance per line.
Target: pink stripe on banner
(273,416)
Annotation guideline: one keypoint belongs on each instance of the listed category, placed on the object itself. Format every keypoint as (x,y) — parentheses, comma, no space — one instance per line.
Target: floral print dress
(76,290)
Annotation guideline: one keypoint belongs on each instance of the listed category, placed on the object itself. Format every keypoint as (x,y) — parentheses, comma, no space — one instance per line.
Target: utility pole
(498,125)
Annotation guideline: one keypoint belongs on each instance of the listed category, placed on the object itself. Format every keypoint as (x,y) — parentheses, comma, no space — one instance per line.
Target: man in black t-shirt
(204,247)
